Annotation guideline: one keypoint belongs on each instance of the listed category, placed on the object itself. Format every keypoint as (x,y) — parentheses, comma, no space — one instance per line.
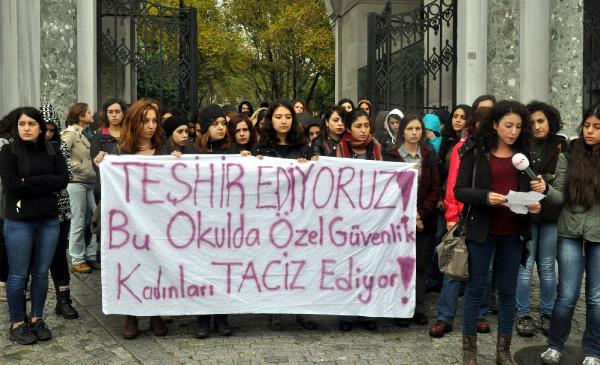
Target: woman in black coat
(486,175)
(32,172)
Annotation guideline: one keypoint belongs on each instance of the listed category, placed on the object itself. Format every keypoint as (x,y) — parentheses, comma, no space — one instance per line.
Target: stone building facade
(47,53)
(515,49)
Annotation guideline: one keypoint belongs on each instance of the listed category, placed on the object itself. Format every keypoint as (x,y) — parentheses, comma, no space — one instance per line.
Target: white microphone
(521,163)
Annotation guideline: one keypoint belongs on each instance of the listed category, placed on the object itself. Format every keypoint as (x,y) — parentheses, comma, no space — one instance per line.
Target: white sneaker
(591,360)
(551,357)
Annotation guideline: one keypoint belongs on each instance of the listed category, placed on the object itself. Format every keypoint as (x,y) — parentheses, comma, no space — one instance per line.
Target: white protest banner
(206,234)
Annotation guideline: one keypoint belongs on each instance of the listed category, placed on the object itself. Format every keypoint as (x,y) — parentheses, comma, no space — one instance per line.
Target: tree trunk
(312,89)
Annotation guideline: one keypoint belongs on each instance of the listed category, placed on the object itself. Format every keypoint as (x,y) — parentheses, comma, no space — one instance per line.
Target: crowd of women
(51,186)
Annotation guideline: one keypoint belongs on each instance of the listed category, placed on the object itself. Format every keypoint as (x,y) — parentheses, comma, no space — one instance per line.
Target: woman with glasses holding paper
(485,177)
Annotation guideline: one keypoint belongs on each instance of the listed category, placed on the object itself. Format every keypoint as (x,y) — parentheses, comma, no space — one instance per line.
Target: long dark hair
(449,129)
(268,135)
(489,135)
(583,180)
(328,113)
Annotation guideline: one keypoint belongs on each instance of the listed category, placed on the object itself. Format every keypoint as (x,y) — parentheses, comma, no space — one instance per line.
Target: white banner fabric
(208,234)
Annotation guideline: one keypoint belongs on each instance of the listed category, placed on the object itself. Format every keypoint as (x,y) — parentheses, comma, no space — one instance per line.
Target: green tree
(263,50)
(288,45)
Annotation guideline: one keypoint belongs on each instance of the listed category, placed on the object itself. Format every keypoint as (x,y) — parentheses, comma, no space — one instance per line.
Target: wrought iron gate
(591,58)
(411,62)
(147,50)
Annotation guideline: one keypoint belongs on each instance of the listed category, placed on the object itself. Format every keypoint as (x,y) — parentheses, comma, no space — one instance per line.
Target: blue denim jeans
(573,258)
(542,248)
(81,197)
(507,257)
(449,295)
(29,245)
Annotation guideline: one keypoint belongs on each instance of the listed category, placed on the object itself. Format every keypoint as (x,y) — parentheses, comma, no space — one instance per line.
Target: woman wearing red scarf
(412,147)
(358,142)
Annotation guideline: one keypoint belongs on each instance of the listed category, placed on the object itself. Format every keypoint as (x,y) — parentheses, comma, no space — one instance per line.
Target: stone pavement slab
(94,338)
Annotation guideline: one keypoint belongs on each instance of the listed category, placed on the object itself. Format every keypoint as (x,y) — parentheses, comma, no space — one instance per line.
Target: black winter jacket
(283,151)
(30,192)
(101,142)
(325,147)
(473,155)
(545,165)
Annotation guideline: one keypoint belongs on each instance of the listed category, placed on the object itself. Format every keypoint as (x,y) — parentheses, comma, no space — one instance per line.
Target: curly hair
(489,135)
(108,103)
(346,100)
(133,125)
(268,135)
(551,113)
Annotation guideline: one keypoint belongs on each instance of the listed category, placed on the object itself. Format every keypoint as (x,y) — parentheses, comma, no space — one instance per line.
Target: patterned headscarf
(51,116)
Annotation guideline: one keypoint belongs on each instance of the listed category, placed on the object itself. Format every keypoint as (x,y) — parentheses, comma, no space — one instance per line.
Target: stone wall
(503,49)
(59,54)
(566,61)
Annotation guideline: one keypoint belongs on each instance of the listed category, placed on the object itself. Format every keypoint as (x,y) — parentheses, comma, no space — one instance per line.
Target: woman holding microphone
(486,175)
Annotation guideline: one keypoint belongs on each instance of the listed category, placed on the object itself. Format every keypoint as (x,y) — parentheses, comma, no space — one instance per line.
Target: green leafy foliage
(263,50)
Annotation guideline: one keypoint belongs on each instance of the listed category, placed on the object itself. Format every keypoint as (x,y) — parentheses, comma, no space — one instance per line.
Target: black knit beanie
(173,123)
(208,114)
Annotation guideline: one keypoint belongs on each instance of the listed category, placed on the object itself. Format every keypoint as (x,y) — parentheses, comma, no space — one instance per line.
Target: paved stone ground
(95,339)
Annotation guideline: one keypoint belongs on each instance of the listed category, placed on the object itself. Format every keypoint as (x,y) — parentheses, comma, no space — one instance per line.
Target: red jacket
(453,207)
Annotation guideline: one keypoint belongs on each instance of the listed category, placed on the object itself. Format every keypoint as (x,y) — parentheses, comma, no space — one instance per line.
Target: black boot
(203,326)
(222,325)
(63,305)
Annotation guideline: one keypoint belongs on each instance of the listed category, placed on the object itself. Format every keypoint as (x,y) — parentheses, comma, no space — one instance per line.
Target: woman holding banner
(332,130)
(412,147)
(282,135)
(213,136)
(213,140)
(140,135)
(357,142)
